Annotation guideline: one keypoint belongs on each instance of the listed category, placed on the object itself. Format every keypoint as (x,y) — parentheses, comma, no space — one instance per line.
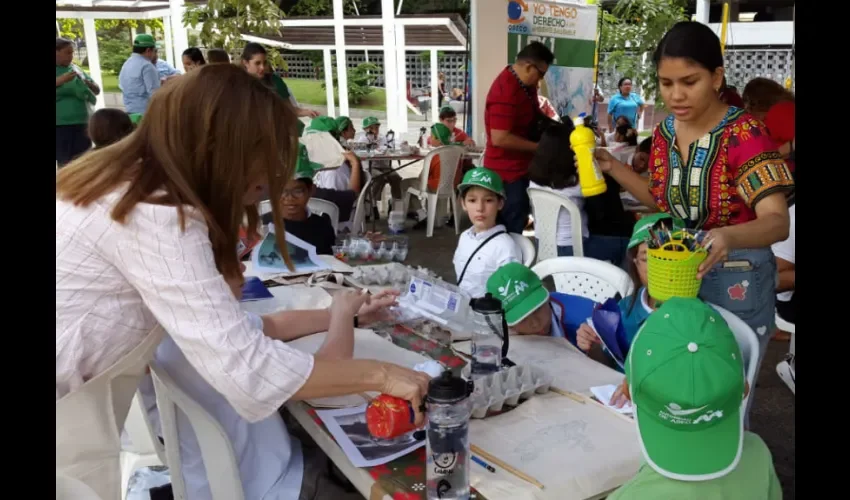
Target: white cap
(579,120)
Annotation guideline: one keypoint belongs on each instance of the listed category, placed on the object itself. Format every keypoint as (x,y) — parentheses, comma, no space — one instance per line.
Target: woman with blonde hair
(146,237)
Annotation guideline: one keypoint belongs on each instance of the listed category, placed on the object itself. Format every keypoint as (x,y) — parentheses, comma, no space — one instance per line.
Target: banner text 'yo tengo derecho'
(569,30)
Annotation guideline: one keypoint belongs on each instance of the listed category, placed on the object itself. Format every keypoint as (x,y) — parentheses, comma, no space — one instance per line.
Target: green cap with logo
(342,123)
(305,169)
(323,124)
(686,377)
(442,133)
(144,41)
(519,289)
(640,234)
(482,177)
(369,121)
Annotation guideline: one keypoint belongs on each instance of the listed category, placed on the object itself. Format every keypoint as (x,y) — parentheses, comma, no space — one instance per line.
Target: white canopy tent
(171,12)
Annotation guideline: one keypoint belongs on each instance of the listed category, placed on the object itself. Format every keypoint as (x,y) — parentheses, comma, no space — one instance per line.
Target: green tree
(108,28)
(321,8)
(629,35)
(360,81)
(224,22)
(113,54)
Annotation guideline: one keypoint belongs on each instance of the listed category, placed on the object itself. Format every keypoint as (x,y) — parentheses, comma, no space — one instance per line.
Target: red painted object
(388,417)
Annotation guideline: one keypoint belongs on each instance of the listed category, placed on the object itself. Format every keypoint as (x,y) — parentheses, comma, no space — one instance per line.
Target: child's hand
(586,337)
(469,142)
(621,395)
(436,142)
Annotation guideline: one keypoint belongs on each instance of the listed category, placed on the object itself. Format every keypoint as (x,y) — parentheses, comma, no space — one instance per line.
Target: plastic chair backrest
(747,340)
(586,277)
(216,450)
(265,207)
(69,488)
(784,325)
(450,157)
(321,207)
(358,218)
(526,247)
(141,432)
(546,207)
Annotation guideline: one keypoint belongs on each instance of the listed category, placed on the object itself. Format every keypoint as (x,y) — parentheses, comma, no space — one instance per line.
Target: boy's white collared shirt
(496,253)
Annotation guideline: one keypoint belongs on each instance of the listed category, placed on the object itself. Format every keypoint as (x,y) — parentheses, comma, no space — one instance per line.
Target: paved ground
(772,414)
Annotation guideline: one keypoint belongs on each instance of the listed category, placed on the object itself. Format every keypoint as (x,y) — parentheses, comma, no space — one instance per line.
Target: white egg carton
(392,274)
(506,387)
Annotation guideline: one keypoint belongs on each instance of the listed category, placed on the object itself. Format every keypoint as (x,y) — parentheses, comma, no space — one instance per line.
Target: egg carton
(392,274)
(506,387)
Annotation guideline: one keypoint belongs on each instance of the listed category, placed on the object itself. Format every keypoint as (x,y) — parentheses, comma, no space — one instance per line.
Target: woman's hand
(718,245)
(347,302)
(586,337)
(408,385)
(309,113)
(436,142)
(376,309)
(604,159)
(67,77)
(621,395)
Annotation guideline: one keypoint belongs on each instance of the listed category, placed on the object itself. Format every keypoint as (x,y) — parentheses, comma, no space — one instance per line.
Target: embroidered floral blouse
(729,170)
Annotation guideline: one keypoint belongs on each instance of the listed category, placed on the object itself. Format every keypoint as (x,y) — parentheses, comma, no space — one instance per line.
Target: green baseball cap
(446,107)
(323,124)
(342,123)
(519,289)
(369,121)
(305,169)
(686,377)
(640,234)
(442,132)
(482,177)
(144,40)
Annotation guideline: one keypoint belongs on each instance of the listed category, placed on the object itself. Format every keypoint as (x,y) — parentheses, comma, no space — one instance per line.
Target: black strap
(463,273)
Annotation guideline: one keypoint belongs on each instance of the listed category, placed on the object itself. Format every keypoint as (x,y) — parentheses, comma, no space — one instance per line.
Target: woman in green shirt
(255,62)
(75,91)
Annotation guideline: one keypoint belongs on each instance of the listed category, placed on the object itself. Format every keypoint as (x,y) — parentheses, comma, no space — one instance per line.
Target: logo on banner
(516,11)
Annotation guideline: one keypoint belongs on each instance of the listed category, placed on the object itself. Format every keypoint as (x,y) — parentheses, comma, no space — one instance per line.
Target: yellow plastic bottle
(583,141)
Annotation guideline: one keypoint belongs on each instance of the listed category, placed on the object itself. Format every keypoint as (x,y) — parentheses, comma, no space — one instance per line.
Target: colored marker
(482,463)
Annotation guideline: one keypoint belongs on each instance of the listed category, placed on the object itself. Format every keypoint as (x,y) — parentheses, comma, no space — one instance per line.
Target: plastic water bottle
(487,336)
(583,141)
(449,409)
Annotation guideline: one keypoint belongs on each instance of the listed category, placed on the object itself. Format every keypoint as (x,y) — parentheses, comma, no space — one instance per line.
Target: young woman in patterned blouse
(715,166)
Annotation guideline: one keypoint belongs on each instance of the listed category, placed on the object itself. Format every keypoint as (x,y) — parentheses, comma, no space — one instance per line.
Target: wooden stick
(571,395)
(493,460)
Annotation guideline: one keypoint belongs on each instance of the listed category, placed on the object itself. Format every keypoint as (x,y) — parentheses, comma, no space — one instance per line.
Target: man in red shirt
(509,113)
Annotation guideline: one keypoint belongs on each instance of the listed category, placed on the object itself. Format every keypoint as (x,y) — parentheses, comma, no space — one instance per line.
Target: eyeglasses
(542,73)
(298,192)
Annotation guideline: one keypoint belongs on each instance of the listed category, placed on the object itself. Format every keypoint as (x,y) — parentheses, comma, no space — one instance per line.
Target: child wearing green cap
(486,246)
(685,374)
(345,129)
(531,310)
(445,133)
(635,309)
(315,229)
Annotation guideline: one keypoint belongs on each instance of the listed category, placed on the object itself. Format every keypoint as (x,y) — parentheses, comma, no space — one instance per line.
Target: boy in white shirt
(486,246)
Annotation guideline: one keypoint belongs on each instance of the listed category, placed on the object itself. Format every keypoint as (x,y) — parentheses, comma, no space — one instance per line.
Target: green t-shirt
(72,99)
(753,479)
(280,87)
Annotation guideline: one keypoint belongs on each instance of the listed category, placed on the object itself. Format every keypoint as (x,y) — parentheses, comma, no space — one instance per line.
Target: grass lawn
(311,92)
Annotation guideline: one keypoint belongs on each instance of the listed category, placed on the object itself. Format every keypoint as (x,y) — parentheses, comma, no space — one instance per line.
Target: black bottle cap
(446,388)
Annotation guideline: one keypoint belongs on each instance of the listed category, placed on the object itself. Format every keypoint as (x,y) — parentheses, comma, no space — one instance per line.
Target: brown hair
(108,126)
(761,94)
(205,140)
(215,56)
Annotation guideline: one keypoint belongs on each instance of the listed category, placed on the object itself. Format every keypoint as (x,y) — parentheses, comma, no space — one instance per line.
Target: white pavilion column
(435,87)
(702,11)
(390,73)
(401,69)
(341,59)
(329,82)
(178,31)
(489,57)
(173,58)
(93,54)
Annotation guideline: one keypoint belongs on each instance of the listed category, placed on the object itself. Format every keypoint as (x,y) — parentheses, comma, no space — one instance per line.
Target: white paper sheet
(367,345)
(267,258)
(576,450)
(289,298)
(604,393)
(571,368)
(348,427)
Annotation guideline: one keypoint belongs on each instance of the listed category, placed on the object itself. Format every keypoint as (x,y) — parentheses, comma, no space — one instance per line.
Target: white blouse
(115,282)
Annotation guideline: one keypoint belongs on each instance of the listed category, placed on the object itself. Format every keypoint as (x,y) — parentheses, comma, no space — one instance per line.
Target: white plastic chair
(546,206)
(748,342)
(586,277)
(69,488)
(527,247)
(358,216)
(450,157)
(322,207)
(146,450)
(216,450)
